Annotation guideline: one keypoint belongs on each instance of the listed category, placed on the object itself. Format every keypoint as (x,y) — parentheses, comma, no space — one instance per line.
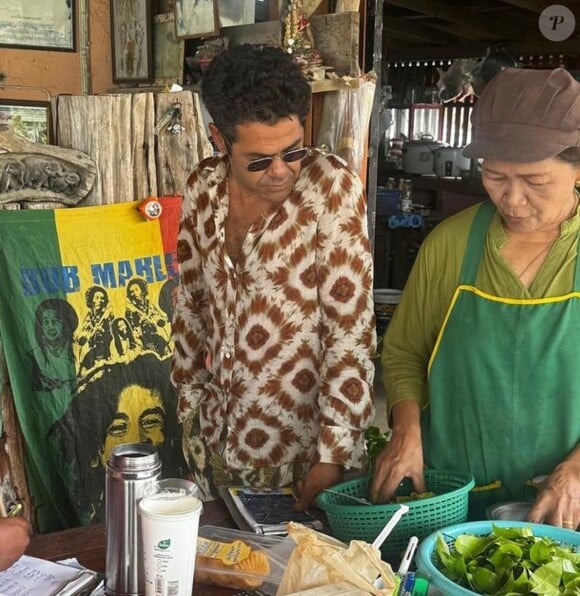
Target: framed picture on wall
(131,40)
(29,119)
(196,18)
(38,24)
(169,51)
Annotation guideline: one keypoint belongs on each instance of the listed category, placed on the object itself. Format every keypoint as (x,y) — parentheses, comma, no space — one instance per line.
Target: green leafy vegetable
(376,441)
(510,562)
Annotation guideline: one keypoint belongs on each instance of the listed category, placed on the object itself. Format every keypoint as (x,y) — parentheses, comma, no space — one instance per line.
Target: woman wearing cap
(481,358)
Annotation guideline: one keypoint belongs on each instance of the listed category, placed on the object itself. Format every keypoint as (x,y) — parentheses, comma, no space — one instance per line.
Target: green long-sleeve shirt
(414,328)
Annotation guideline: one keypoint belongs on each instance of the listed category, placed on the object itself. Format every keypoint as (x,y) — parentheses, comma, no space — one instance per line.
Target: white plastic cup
(170,510)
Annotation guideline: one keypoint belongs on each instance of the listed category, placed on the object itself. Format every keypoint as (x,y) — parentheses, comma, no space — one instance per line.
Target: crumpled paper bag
(319,560)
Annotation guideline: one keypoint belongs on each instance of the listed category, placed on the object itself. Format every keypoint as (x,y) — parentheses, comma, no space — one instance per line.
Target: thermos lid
(134,458)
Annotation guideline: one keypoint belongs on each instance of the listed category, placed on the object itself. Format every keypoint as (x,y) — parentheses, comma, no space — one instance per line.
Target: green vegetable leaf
(454,563)
(485,581)
(517,584)
(540,553)
(547,578)
(376,441)
(511,533)
(473,546)
(510,562)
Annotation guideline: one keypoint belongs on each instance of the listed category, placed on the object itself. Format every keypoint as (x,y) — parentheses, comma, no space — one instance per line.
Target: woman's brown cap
(526,115)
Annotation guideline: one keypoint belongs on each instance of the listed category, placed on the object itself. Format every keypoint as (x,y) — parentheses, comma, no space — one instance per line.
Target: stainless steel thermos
(131,467)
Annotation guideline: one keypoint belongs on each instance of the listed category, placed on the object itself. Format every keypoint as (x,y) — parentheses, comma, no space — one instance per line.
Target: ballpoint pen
(408,555)
(407,579)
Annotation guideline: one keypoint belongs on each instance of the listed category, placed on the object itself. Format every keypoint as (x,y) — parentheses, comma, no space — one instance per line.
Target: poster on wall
(196,19)
(29,119)
(169,51)
(86,306)
(38,24)
(131,41)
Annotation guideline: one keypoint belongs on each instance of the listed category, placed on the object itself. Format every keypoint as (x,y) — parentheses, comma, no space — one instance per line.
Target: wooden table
(87,544)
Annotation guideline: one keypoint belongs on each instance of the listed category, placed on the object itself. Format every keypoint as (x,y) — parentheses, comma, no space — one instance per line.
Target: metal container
(509,511)
(450,161)
(419,156)
(130,469)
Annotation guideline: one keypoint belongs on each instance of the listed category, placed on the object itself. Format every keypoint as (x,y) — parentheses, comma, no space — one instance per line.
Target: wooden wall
(40,75)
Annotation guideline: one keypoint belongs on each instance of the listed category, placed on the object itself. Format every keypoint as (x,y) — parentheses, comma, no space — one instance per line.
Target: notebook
(265,511)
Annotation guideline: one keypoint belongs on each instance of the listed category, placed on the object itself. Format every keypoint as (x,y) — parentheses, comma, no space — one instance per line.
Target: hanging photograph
(236,12)
(196,18)
(169,51)
(29,119)
(38,24)
(131,41)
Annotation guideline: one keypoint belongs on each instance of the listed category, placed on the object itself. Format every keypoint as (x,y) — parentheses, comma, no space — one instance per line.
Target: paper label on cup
(229,553)
(169,527)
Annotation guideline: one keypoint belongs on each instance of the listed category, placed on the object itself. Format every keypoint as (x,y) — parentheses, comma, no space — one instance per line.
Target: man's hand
(14,538)
(319,477)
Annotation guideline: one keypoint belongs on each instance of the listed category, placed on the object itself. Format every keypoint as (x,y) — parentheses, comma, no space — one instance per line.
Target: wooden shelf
(148,89)
(322,86)
(471,186)
(333,85)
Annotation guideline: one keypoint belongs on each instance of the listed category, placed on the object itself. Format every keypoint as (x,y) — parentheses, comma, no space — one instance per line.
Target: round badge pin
(150,208)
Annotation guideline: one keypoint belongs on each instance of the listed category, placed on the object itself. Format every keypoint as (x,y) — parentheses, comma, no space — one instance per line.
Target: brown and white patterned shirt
(275,353)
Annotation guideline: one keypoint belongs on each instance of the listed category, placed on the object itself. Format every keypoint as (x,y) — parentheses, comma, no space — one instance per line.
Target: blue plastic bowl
(426,560)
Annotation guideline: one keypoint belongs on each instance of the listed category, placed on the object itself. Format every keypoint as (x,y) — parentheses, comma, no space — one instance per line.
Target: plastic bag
(227,557)
(345,120)
(322,561)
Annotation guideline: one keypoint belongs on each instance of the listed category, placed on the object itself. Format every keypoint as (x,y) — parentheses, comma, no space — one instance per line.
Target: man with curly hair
(274,325)
(95,336)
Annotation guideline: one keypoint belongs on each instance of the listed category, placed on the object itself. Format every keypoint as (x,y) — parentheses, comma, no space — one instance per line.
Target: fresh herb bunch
(376,441)
(510,561)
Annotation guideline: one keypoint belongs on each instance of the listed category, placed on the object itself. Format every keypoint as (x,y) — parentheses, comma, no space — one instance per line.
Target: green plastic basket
(350,521)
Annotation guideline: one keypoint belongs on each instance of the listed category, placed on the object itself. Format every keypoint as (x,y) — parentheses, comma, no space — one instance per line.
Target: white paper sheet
(31,576)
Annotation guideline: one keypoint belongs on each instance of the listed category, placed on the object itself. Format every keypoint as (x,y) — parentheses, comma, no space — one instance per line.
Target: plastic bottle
(416,584)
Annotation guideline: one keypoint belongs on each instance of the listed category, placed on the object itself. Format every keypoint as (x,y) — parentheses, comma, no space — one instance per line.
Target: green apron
(504,391)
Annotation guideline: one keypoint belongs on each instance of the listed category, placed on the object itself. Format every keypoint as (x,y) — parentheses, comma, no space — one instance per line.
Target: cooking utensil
(348,497)
(419,156)
(510,510)
(390,525)
(450,161)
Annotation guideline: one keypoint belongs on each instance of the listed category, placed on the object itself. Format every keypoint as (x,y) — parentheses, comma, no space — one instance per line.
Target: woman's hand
(319,477)
(402,457)
(558,501)
(14,538)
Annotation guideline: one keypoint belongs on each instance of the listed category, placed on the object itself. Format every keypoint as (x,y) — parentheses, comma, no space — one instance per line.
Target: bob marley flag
(86,304)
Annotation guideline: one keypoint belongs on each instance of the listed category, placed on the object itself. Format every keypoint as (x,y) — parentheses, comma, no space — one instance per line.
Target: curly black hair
(254,83)
(138,281)
(90,295)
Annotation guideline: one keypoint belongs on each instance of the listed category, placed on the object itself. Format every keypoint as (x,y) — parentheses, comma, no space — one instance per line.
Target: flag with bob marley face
(86,304)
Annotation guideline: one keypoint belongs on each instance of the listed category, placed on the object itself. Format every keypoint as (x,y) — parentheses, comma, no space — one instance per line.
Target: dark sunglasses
(263,163)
